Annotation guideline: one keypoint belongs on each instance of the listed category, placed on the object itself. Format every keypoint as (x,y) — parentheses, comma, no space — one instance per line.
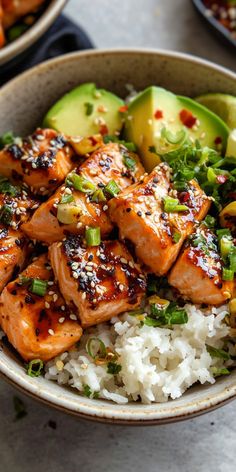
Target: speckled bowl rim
(15,48)
(61,398)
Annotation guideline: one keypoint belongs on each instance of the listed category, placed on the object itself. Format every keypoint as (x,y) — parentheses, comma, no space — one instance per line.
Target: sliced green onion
(6,214)
(172,138)
(223,232)
(170,315)
(98,196)
(96,348)
(216,372)
(232,259)
(210,221)
(88,108)
(227,274)
(176,236)
(34,368)
(6,139)
(172,205)
(129,162)
(113,368)
(93,236)
(226,245)
(39,287)
(219,353)
(66,198)
(24,280)
(80,183)
(112,188)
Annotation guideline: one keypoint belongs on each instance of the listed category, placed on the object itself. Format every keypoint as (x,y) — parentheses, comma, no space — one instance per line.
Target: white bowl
(23,103)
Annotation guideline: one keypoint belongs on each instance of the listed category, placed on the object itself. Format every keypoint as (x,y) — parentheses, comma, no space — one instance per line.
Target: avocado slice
(222,104)
(86,111)
(156,108)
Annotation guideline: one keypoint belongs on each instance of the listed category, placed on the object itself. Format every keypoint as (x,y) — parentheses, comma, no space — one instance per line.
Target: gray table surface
(205,444)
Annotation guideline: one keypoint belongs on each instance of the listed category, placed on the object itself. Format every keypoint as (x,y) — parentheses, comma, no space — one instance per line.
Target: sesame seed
(79,224)
(123,260)
(105,207)
(50,292)
(90,274)
(75,275)
(51,332)
(83,296)
(131,264)
(34,165)
(63,307)
(73,317)
(59,365)
(61,320)
(39,137)
(74,265)
(50,282)
(84,366)
(121,287)
(47,305)
(55,297)
(68,191)
(42,189)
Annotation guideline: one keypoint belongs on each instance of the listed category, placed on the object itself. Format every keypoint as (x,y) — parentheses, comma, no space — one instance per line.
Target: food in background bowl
(136,204)
(16,17)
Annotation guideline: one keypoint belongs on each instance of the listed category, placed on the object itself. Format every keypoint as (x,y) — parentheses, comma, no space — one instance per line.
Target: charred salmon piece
(112,161)
(102,281)
(14,249)
(197,274)
(38,326)
(2,35)
(53,220)
(13,10)
(42,161)
(17,204)
(157,235)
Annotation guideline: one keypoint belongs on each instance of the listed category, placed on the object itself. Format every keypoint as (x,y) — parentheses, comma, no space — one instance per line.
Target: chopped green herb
(19,407)
(112,188)
(39,287)
(24,280)
(93,236)
(220,353)
(35,368)
(88,392)
(88,108)
(7,187)
(80,183)
(113,139)
(226,245)
(113,368)
(129,162)
(6,139)
(96,348)
(6,214)
(66,198)
(167,316)
(152,149)
(217,372)
(209,221)
(172,205)
(16,31)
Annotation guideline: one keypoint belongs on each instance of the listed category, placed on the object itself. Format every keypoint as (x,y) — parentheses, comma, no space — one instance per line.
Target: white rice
(157,364)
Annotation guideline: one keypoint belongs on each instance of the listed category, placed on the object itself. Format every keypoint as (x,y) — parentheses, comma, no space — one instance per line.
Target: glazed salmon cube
(14,248)
(17,204)
(45,224)
(197,274)
(102,281)
(157,234)
(39,327)
(105,164)
(112,161)
(41,161)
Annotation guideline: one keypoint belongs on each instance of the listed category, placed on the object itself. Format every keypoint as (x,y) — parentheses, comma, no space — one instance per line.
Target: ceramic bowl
(17,47)
(23,103)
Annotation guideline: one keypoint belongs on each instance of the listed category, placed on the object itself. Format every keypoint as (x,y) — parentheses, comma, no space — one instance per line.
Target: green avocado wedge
(85,111)
(222,104)
(156,109)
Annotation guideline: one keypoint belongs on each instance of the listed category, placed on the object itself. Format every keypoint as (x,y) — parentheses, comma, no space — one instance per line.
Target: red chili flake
(221,179)
(93,140)
(158,114)
(103,130)
(184,197)
(123,108)
(218,140)
(187,118)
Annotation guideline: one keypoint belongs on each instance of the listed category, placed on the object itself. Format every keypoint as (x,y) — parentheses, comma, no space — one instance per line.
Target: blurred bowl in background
(21,44)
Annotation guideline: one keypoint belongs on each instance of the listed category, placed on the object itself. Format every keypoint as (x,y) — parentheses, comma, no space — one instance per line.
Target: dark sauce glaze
(203,252)
(22,205)
(106,265)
